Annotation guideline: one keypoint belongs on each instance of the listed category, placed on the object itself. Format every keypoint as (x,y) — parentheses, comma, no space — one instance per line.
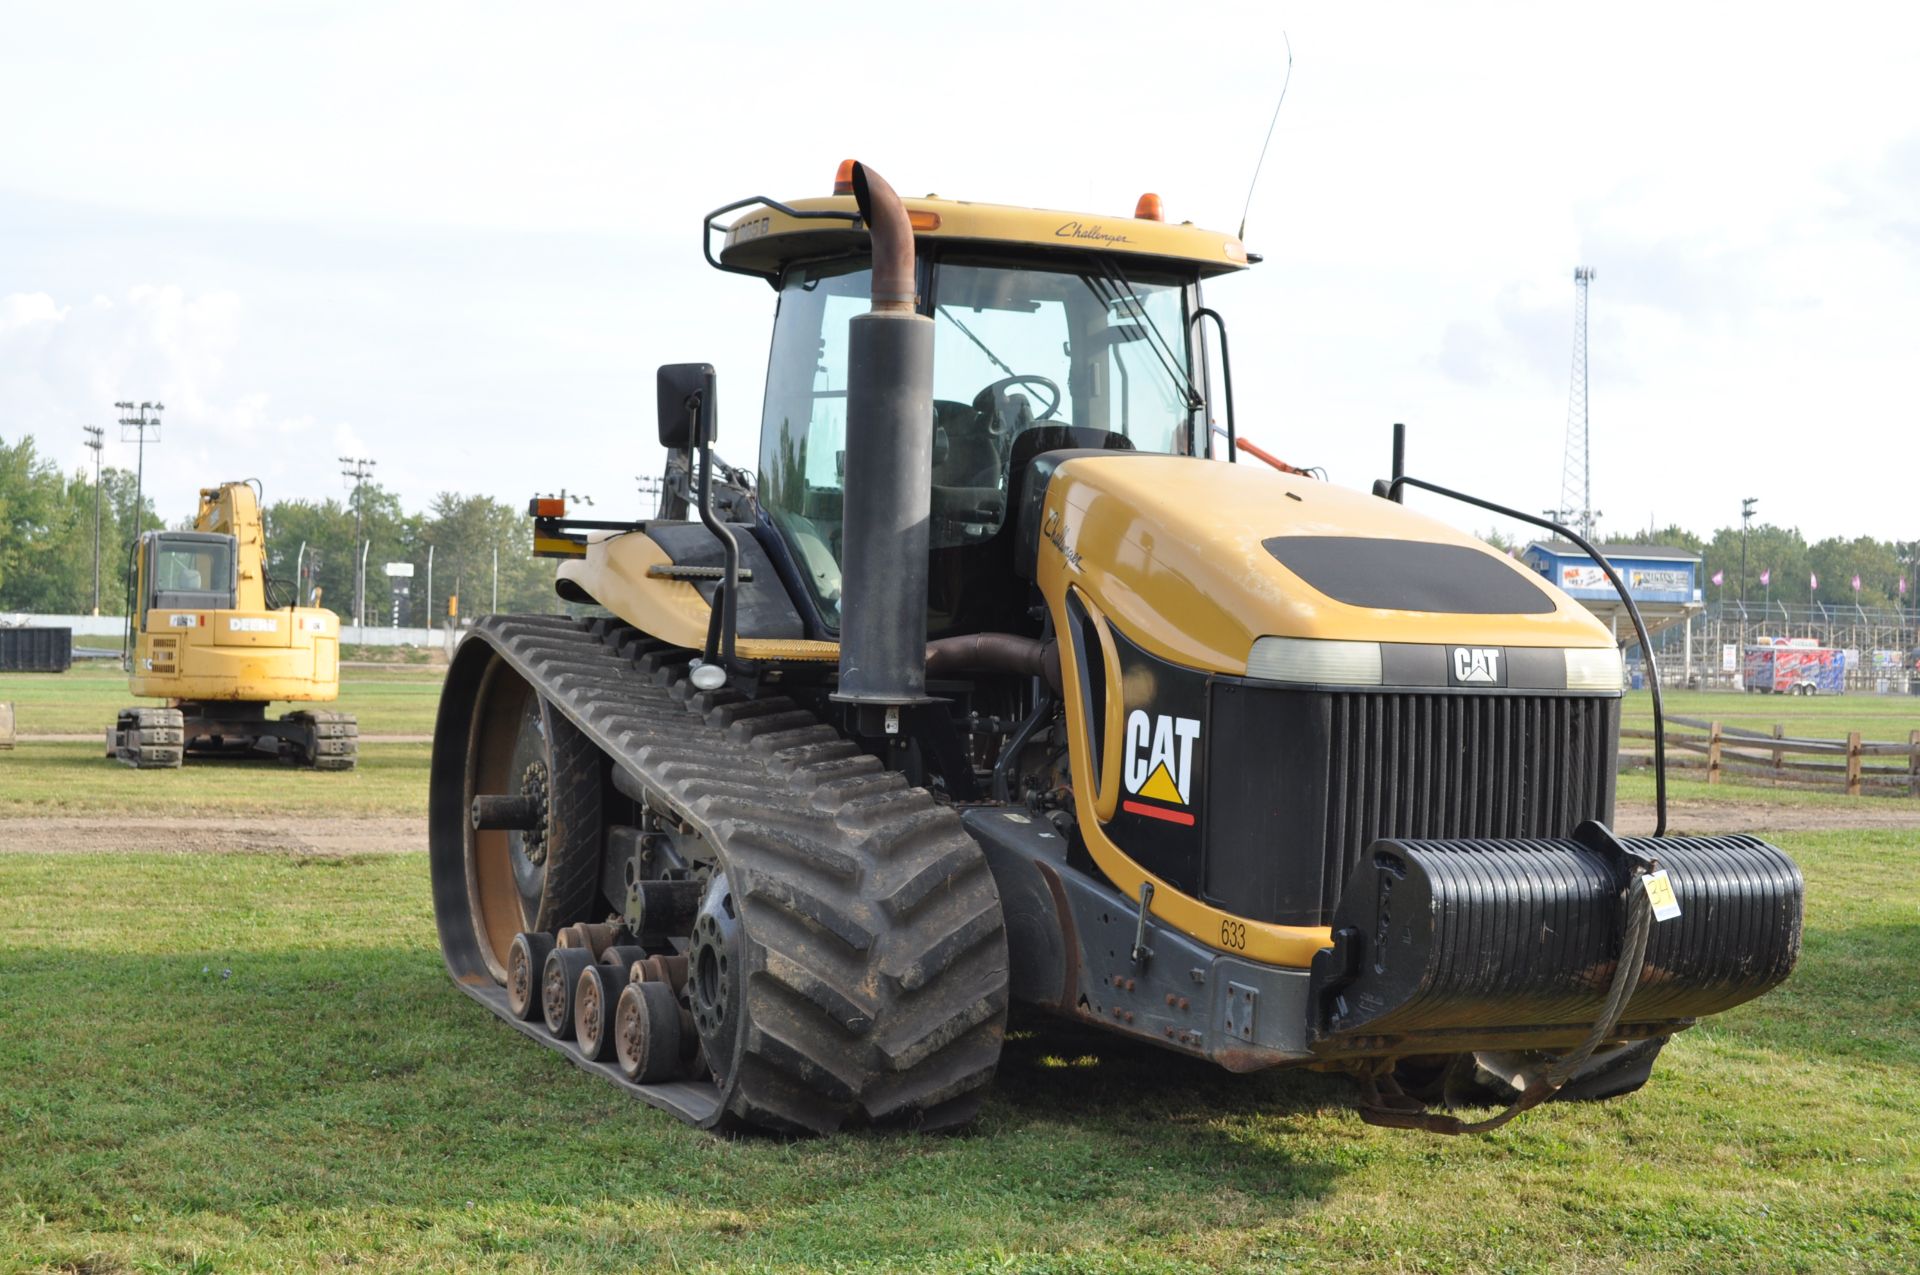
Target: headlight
(1318,661)
(1593,669)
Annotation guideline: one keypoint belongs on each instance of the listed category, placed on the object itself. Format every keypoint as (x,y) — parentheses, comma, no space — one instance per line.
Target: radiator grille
(1454,766)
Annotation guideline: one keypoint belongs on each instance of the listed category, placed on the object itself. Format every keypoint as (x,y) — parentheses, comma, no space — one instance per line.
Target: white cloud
(458,237)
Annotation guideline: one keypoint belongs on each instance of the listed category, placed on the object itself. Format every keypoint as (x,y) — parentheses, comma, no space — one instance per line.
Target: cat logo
(1479,664)
(1158,765)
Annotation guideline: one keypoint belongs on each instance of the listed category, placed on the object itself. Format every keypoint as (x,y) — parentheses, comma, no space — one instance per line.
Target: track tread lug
(879,989)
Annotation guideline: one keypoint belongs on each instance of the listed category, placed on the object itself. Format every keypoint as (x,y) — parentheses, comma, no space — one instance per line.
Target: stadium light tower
(1576,478)
(358,470)
(141,424)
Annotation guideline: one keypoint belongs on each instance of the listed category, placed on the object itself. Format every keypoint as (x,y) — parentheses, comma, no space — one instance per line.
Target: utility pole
(358,470)
(1576,478)
(650,486)
(96,443)
(1746,516)
(140,423)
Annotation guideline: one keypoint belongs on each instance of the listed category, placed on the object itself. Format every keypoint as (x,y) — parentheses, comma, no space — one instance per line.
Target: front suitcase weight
(1455,945)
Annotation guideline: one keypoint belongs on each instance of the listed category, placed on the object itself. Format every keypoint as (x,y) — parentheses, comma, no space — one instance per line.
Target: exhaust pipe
(889,475)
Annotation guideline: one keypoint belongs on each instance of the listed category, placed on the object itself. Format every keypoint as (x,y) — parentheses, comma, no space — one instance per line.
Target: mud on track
(213,834)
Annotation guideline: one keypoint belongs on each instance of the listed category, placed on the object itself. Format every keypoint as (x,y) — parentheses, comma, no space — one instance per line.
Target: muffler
(889,471)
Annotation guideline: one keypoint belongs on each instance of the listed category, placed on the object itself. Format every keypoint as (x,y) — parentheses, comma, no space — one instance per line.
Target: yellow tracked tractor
(1003,682)
(206,632)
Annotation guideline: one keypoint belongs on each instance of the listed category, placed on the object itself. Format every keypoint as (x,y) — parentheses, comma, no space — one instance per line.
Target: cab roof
(769,237)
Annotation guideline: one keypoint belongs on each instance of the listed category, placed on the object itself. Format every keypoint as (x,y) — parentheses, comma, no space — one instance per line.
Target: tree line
(46,550)
(47,538)
(1781,565)
(1790,565)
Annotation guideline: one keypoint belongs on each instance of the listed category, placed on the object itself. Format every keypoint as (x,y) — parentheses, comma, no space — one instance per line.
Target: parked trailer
(1794,670)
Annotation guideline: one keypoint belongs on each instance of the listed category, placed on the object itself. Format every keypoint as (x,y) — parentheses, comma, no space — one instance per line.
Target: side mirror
(688,416)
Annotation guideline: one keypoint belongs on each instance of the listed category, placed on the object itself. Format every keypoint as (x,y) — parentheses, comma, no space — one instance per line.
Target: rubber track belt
(693,753)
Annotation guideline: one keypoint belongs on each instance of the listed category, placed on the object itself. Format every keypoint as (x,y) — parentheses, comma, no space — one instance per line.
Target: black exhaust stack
(889,477)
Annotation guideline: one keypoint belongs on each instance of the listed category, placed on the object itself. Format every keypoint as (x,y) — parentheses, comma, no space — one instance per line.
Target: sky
(458,238)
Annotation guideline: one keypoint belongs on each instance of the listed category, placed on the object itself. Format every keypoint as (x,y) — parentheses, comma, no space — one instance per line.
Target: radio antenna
(1263,146)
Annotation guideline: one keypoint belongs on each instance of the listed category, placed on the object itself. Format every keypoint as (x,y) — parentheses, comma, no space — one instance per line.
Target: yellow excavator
(1007,679)
(208,632)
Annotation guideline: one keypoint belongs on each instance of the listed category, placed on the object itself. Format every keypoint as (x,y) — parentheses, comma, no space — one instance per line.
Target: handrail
(1392,491)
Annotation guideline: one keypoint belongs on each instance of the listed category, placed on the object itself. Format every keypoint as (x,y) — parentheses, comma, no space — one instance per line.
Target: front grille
(1454,766)
(1301,782)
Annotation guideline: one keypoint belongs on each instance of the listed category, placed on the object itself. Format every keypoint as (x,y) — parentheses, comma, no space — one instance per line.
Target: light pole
(1746,517)
(360,598)
(139,422)
(358,470)
(96,443)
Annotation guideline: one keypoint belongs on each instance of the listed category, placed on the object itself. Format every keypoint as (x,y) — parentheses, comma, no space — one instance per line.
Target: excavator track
(877,982)
(336,738)
(148,738)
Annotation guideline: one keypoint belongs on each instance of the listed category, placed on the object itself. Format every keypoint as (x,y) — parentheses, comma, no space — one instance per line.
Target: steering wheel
(988,401)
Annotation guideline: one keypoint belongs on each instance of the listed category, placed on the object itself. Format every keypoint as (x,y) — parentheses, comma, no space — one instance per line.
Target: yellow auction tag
(1660,895)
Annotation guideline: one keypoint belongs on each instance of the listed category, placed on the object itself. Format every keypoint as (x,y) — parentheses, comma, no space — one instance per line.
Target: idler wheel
(532,832)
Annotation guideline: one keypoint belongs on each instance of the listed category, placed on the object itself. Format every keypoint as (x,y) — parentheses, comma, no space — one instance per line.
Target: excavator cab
(187,571)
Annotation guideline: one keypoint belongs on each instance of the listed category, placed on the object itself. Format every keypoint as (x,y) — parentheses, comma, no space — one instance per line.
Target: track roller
(594,995)
(557,987)
(647,1032)
(526,968)
(671,970)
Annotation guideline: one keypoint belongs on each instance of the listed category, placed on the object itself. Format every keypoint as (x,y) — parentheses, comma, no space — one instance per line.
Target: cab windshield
(1015,347)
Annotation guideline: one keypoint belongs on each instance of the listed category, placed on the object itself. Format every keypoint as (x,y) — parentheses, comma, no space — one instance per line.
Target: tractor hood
(1195,560)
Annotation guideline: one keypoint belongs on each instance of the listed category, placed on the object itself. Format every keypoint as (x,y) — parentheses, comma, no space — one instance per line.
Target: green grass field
(249,1062)
(72,778)
(1876,717)
(245,1062)
(388,701)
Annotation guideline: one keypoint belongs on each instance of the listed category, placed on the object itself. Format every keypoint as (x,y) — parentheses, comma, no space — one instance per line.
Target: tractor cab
(1052,330)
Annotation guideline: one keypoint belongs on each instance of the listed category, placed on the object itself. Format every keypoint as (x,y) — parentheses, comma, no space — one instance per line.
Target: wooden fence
(1854,765)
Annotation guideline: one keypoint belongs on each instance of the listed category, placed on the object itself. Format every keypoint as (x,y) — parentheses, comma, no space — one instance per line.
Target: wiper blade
(976,340)
(1121,292)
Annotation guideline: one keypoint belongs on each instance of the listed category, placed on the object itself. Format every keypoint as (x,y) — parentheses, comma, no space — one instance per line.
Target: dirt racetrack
(213,834)
(401,834)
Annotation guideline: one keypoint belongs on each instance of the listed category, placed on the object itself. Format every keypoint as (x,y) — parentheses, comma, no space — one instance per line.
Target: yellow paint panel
(614,573)
(1169,548)
(200,655)
(765,240)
